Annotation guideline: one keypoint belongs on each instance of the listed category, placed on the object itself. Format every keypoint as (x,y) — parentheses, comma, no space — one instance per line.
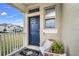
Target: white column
(25,31)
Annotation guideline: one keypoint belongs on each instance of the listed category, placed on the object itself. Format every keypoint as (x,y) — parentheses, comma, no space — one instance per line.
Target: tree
(4,30)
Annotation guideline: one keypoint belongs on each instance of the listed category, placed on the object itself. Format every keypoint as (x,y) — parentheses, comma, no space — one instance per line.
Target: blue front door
(34,27)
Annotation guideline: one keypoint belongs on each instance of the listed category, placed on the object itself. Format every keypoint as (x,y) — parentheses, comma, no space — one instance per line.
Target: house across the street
(10,28)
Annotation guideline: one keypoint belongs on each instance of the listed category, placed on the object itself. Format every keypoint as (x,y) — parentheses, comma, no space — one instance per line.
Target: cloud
(18,23)
(18,20)
(12,16)
(3,13)
(7,7)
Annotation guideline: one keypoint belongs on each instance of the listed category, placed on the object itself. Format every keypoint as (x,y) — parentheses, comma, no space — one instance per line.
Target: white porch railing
(10,42)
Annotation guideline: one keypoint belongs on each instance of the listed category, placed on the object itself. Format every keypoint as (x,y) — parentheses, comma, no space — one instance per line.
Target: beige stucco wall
(70,28)
(43,34)
(53,35)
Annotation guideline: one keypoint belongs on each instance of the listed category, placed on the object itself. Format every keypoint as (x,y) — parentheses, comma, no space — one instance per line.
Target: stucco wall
(43,35)
(70,28)
(51,33)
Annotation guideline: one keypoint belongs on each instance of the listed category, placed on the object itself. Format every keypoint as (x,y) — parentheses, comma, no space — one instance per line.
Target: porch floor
(27,52)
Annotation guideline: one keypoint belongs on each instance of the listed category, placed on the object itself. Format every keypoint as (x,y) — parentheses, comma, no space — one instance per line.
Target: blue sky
(9,14)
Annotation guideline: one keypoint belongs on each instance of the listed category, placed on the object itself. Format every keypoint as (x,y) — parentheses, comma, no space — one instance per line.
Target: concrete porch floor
(27,52)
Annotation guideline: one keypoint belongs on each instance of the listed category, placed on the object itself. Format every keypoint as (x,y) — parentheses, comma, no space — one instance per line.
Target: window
(50,23)
(50,14)
(34,10)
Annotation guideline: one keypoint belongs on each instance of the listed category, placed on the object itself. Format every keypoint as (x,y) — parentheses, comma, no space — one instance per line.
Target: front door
(34,27)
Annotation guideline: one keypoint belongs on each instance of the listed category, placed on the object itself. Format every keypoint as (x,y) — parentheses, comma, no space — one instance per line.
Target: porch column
(25,31)
(41,24)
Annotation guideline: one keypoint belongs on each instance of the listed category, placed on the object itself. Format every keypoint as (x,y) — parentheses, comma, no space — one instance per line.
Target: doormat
(28,52)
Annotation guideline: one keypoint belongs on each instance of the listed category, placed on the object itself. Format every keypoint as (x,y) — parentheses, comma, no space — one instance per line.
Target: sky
(11,15)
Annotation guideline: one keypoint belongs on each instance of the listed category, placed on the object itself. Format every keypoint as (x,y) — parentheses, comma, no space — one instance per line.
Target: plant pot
(53,54)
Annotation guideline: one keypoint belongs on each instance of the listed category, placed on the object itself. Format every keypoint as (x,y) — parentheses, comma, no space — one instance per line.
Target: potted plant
(57,49)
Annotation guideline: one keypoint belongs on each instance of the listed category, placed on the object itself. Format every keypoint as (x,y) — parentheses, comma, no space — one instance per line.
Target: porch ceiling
(21,6)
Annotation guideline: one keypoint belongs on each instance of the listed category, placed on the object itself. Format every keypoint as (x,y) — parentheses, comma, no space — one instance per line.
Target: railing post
(0,45)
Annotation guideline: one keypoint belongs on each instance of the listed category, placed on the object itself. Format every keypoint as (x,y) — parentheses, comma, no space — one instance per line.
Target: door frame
(29,27)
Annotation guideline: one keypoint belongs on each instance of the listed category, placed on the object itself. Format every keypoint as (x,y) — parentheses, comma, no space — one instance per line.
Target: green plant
(57,47)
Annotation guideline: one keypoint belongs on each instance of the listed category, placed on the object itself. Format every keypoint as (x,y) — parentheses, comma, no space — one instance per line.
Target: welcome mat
(28,52)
